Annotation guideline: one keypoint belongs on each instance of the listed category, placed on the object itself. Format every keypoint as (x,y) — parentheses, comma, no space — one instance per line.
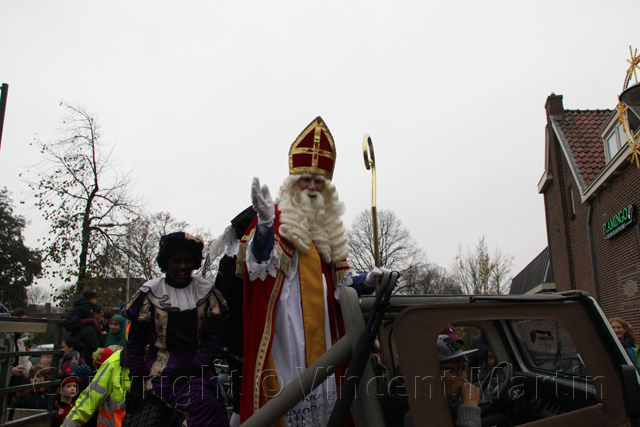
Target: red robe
(260,303)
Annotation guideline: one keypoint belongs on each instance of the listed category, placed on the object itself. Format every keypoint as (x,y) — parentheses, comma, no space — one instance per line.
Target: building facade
(591,195)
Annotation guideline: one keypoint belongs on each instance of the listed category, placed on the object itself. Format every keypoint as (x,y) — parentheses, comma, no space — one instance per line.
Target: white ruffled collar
(233,248)
(163,296)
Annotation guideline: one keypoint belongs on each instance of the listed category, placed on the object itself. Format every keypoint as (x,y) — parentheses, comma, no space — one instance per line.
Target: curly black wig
(174,243)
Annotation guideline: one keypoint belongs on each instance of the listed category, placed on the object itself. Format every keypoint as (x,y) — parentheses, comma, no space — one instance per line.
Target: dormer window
(614,136)
(615,140)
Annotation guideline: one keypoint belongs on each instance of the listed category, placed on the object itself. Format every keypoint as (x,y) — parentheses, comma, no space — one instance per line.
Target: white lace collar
(168,298)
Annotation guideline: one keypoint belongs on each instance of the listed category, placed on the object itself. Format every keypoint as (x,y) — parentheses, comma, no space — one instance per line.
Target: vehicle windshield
(547,345)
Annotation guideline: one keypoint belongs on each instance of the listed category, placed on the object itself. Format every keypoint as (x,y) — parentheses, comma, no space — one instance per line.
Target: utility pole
(128,260)
(4,91)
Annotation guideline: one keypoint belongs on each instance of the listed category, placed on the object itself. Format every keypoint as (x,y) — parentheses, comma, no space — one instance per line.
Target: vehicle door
(567,370)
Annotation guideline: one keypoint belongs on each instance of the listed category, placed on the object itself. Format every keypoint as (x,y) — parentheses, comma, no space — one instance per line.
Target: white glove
(370,280)
(262,203)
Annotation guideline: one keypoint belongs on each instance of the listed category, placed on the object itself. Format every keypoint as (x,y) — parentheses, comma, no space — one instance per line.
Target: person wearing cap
(451,331)
(100,356)
(175,335)
(106,394)
(462,396)
(293,260)
(66,397)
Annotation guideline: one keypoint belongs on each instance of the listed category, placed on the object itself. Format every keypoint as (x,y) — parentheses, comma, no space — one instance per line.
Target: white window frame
(612,130)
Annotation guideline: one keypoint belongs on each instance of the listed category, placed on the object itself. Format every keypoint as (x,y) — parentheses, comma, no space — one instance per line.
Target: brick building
(591,195)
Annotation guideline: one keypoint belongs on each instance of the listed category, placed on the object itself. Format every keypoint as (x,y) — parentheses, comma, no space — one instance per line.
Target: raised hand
(262,203)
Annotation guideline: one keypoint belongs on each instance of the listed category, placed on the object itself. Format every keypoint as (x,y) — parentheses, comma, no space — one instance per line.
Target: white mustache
(311,196)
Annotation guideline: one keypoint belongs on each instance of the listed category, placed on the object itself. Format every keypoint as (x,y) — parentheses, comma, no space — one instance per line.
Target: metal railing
(9,327)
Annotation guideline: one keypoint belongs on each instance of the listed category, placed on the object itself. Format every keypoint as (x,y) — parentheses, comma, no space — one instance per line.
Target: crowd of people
(93,336)
(273,309)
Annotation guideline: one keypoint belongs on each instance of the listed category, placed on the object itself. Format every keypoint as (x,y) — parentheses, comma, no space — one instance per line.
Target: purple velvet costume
(180,325)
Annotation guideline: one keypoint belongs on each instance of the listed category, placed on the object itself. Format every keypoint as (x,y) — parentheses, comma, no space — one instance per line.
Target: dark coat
(82,309)
(230,286)
(478,361)
(88,341)
(31,399)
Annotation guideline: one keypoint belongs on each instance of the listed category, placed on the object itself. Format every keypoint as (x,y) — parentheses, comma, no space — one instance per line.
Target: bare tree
(209,270)
(398,251)
(38,295)
(427,279)
(479,272)
(83,196)
(138,247)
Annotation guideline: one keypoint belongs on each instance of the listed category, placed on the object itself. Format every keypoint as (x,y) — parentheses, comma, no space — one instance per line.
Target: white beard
(311,203)
(305,219)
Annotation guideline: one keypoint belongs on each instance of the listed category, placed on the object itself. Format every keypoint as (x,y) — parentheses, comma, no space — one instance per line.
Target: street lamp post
(128,262)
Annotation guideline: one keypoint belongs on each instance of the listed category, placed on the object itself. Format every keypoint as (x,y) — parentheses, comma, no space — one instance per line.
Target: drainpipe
(638,236)
(594,267)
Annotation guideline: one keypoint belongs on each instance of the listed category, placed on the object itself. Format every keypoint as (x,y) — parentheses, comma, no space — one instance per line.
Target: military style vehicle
(558,361)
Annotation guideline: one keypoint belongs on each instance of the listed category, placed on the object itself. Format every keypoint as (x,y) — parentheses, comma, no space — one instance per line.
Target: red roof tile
(581,129)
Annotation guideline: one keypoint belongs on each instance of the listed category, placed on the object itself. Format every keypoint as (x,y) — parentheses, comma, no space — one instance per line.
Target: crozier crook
(370,164)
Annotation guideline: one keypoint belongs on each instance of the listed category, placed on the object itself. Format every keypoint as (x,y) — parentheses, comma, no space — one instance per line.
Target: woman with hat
(175,334)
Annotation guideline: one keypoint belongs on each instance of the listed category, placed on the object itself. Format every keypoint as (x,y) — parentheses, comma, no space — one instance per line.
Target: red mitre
(313,152)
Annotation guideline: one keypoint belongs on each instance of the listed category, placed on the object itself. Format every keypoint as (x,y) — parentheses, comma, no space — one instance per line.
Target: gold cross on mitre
(313,152)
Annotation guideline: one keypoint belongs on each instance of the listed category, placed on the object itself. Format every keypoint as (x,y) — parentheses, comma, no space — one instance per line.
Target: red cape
(259,304)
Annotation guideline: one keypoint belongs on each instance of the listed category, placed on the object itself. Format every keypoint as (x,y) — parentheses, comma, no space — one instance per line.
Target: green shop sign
(618,222)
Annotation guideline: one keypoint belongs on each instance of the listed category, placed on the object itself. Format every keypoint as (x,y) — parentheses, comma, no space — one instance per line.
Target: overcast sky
(200,96)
